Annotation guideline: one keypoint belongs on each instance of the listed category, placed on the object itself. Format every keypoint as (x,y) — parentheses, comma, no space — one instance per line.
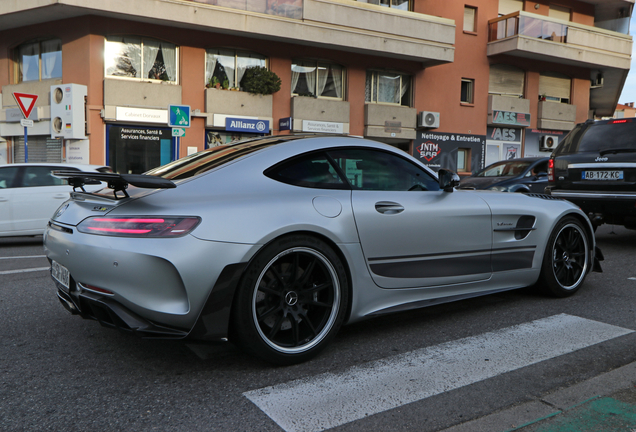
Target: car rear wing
(117,182)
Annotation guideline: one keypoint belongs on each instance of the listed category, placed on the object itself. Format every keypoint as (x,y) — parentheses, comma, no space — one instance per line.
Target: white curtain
(389,88)
(243,63)
(210,64)
(133,51)
(406,83)
(29,61)
(295,75)
(151,48)
(169,52)
(310,77)
(323,74)
(51,54)
(336,73)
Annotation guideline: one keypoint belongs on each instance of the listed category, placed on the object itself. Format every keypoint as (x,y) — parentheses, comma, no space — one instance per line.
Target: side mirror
(447,180)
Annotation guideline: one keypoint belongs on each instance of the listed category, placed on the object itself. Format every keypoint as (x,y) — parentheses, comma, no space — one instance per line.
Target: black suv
(594,167)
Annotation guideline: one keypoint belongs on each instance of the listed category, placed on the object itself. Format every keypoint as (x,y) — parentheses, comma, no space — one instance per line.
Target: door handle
(3,199)
(60,196)
(387,207)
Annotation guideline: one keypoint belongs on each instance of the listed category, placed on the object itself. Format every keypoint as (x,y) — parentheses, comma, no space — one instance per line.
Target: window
(7,176)
(554,87)
(388,87)
(226,67)
(141,58)
(468,86)
(506,80)
(39,60)
(559,12)
(396,4)
(313,171)
(381,171)
(463,160)
(470,14)
(40,176)
(318,79)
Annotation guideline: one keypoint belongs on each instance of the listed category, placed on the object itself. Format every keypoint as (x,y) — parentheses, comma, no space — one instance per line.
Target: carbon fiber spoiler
(117,182)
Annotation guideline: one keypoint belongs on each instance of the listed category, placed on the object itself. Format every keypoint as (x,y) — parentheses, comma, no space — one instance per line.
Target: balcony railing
(284,8)
(520,24)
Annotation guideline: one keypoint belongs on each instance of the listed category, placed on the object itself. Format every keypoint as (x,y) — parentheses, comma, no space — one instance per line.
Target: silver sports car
(275,243)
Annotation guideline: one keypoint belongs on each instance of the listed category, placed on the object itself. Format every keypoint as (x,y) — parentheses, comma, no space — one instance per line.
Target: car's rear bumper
(602,206)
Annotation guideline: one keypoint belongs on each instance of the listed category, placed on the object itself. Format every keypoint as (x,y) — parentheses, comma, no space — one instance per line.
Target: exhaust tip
(68,305)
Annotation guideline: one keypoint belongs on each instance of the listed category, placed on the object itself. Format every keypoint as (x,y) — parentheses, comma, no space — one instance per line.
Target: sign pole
(26,146)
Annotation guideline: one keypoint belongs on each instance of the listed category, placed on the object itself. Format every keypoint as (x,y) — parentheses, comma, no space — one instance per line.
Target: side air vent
(544,196)
(525,224)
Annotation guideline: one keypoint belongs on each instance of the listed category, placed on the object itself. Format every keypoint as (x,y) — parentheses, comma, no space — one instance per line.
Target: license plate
(60,273)
(602,175)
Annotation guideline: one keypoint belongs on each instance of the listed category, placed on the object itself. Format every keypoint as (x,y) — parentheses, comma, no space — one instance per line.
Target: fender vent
(543,196)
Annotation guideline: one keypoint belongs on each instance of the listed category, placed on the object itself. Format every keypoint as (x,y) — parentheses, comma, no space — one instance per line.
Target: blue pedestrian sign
(179,116)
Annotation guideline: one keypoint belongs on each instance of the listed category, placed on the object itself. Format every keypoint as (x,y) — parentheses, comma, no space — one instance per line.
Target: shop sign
(233,124)
(77,151)
(141,115)
(392,126)
(504,134)
(439,150)
(14,115)
(285,123)
(323,127)
(511,118)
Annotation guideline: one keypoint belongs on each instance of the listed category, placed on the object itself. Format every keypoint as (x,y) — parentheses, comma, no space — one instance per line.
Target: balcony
(344,25)
(220,104)
(537,37)
(390,122)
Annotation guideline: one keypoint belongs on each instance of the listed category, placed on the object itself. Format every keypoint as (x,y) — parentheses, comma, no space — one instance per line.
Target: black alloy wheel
(567,258)
(291,301)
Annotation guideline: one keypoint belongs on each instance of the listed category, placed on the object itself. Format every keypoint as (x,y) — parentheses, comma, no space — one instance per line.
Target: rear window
(206,160)
(594,137)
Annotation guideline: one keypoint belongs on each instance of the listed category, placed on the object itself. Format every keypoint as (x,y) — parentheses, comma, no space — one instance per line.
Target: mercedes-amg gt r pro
(275,243)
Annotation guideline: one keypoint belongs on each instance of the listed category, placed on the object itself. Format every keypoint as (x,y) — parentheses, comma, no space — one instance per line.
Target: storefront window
(226,67)
(217,138)
(142,58)
(40,60)
(388,87)
(135,150)
(318,79)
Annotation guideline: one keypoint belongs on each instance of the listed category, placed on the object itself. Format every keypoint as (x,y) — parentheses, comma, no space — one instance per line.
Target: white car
(29,195)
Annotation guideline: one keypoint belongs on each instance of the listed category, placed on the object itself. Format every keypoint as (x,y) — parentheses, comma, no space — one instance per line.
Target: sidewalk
(606,403)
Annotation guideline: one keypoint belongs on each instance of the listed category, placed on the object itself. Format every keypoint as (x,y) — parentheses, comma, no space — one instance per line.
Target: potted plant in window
(214,82)
(226,84)
(260,80)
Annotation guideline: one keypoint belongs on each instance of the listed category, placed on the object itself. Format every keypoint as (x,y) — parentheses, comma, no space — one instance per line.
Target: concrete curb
(553,404)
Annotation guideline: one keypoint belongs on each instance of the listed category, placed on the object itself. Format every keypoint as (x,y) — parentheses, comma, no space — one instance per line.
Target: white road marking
(333,399)
(22,257)
(24,270)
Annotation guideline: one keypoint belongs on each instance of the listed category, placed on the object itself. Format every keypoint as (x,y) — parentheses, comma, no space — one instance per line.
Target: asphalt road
(61,373)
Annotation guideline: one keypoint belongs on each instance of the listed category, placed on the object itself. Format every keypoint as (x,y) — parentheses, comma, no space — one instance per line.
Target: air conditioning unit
(428,119)
(548,142)
(68,111)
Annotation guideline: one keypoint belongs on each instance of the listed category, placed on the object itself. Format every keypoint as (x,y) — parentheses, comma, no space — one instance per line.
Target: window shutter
(509,6)
(506,80)
(41,149)
(555,85)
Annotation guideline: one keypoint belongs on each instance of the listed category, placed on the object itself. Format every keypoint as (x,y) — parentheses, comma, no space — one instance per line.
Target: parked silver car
(275,243)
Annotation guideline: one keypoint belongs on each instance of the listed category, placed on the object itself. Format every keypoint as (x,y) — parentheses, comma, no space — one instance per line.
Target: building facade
(457,84)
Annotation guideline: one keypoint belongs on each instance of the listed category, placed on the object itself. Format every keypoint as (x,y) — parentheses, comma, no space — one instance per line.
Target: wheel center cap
(566,257)
(291,298)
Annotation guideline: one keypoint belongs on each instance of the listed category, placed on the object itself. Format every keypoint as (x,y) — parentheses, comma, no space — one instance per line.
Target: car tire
(291,301)
(566,261)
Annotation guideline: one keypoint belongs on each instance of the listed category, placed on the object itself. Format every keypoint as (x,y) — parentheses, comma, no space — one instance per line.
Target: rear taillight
(551,170)
(139,226)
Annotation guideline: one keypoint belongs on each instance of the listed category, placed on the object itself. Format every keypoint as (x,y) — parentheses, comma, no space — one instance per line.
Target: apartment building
(458,84)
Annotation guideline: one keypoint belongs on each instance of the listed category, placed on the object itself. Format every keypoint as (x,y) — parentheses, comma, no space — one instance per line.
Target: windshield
(208,159)
(505,169)
(615,134)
